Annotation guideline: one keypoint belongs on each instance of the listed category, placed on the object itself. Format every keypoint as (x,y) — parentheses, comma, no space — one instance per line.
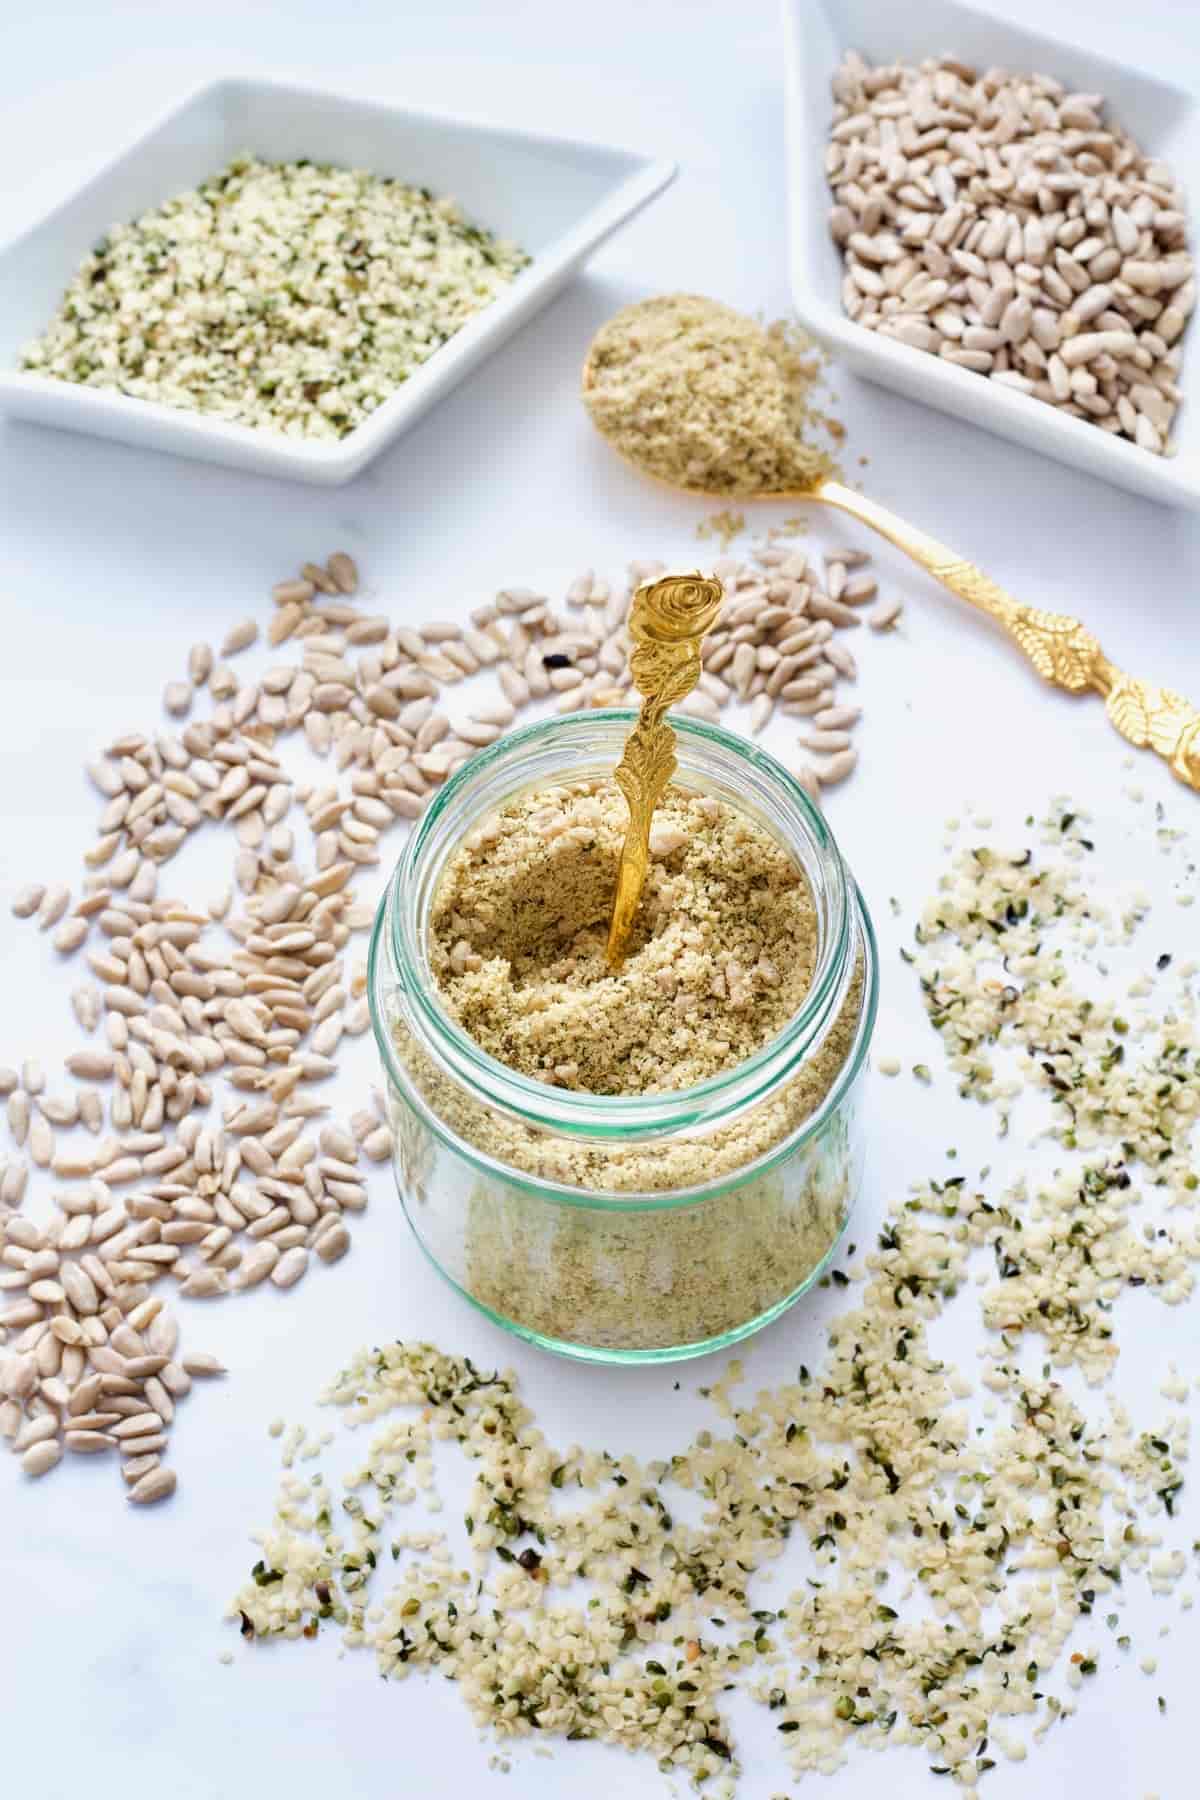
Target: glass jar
(574,1219)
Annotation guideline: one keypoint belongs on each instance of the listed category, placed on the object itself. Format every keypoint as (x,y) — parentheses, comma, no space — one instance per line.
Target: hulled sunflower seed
(70,935)
(176,1381)
(886,615)
(255,1266)
(333,1243)
(134,1467)
(54,904)
(821,606)
(12,1184)
(200,1363)
(837,718)
(290,1267)
(826,740)
(41,1457)
(837,768)
(344,571)
(27,901)
(293,593)
(240,637)
(88,1443)
(159,1484)
(377,1145)
(319,577)
(18,1116)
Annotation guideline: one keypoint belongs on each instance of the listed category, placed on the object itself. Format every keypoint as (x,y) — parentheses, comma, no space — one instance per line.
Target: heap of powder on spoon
(701,397)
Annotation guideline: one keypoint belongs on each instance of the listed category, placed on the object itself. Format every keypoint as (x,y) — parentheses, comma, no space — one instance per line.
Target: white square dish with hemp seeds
(295,297)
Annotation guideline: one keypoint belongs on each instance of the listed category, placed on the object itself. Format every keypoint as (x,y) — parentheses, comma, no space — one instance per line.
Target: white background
(113,561)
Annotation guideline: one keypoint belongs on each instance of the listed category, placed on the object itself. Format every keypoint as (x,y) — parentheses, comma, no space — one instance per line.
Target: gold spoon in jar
(683,345)
(667,622)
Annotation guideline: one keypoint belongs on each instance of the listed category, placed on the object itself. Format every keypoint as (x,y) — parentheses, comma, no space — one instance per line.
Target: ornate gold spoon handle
(667,622)
(1062,650)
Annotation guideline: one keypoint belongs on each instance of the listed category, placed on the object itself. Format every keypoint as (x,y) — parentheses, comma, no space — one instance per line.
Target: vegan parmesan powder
(721,956)
(701,397)
(295,297)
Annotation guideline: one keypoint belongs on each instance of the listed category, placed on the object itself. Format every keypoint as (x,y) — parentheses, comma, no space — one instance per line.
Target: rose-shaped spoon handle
(667,623)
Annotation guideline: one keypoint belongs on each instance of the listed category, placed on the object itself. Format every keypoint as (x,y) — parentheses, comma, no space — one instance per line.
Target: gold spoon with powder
(688,391)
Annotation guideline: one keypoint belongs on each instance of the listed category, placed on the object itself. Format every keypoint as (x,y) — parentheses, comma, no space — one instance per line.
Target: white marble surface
(112,561)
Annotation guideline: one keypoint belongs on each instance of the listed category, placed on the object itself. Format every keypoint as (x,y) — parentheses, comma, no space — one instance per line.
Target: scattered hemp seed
(866,1454)
(724,526)
(1004,1540)
(888,1065)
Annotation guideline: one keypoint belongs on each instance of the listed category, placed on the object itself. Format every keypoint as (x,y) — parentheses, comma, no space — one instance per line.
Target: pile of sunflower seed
(190,1142)
(999,222)
(776,648)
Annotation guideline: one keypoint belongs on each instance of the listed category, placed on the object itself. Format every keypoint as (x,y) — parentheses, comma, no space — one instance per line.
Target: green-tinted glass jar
(563,1215)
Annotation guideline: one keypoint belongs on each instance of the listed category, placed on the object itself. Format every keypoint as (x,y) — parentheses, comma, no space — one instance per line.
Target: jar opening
(588,746)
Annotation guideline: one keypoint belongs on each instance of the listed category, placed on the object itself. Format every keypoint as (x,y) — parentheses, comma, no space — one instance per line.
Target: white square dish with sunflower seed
(1136,426)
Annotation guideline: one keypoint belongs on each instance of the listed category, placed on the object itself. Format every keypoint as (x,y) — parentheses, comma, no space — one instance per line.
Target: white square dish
(1164,119)
(557,198)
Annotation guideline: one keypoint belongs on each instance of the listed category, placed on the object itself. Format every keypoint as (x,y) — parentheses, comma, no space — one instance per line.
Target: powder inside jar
(721,956)
(701,397)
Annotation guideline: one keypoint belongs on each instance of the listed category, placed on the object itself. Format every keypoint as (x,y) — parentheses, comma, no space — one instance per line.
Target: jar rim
(530,758)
